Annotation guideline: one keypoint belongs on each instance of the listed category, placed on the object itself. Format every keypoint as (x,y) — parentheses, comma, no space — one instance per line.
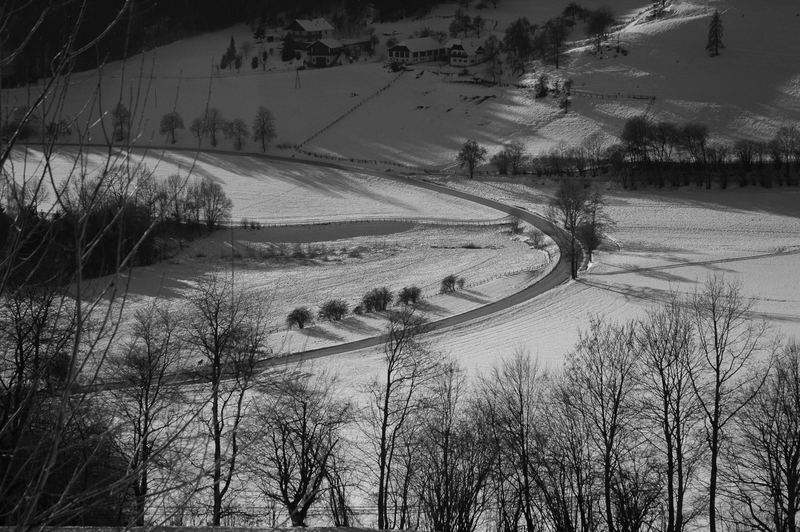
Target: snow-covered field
(667,241)
(269,191)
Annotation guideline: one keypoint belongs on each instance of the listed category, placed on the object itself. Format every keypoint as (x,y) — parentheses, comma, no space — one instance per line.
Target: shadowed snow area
(424,115)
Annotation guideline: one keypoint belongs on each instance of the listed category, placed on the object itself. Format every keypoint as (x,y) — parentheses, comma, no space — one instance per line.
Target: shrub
(410,295)
(333,310)
(516,226)
(300,316)
(451,283)
(358,310)
(377,299)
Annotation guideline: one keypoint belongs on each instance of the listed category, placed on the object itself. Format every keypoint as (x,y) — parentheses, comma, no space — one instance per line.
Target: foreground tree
(149,405)
(722,373)
(666,341)
(603,367)
(228,332)
(511,399)
(297,431)
(395,398)
(470,156)
(455,461)
(764,469)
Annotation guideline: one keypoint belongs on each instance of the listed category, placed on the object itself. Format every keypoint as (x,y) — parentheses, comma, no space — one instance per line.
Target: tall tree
(605,369)
(721,374)
(764,468)
(228,331)
(263,127)
(148,404)
(569,205)
(296,431)
(455,461)
(170,123)
(395,398)
(666,341)
(511,399)
(471,155)
(714,44)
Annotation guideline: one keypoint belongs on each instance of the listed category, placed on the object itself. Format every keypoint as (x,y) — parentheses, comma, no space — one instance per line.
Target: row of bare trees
(684,417)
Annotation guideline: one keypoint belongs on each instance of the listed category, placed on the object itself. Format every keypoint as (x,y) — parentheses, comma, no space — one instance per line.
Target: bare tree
(214,203)
(729,343)
(56,435)
(569,458)
(764,463)
(455,460)
(604,368)
(150,407)
(237,131)
(511,399)
(471,155)
(228,331)
(395,397)
(170,123)
(121,122)
(299,421)
(569,205)
(666,343)
(263,127)
(211,124)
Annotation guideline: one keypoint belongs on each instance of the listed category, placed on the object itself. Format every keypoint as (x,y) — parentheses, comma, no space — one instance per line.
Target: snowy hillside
(750,90)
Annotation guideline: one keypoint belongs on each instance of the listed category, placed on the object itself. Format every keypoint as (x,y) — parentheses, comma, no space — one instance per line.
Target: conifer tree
(715,35)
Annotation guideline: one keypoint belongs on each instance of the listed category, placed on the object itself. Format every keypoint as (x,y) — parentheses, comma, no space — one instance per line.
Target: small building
(418,50)
(325,53)
(308,31)
(465,52)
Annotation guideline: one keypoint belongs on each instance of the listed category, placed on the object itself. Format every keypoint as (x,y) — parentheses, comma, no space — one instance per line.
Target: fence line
(352,110)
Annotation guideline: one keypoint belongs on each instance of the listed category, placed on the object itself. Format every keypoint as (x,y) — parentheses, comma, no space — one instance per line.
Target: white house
(308,31)
(418,50)
(465,52)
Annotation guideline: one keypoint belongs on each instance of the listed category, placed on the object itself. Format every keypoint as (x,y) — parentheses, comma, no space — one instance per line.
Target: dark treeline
(126,217)
(667,154)
(136,25)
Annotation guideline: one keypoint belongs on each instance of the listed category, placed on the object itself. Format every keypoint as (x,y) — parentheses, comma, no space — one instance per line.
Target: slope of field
(662,242)
(750,90)
(312,264)
(267,191)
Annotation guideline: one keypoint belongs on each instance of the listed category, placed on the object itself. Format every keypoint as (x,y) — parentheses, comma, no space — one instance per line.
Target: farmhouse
(417,50)
(465,52)
(325,52)
(308,31)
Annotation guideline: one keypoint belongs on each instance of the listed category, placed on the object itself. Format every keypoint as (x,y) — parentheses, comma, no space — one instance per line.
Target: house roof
(331,44)
(470,46)
(420,44)
(317,24)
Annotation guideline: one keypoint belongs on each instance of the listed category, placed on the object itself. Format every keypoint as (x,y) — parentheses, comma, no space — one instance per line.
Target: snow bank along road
(560,273)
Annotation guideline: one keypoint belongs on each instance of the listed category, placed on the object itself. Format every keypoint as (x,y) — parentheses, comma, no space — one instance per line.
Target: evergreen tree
(715,34)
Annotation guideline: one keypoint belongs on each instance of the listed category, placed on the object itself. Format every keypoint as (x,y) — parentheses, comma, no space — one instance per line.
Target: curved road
(560,274)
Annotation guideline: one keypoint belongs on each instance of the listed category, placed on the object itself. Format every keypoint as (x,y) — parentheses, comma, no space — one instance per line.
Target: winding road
(560,273)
